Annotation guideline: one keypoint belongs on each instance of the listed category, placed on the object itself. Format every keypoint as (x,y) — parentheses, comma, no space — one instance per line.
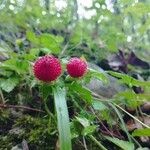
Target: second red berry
(76,67)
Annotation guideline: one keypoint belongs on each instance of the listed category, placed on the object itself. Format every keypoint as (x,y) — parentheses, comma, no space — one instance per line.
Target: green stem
(47,110)
(97,142)
(120,117)
(2,97)
(50,115)
(132,116)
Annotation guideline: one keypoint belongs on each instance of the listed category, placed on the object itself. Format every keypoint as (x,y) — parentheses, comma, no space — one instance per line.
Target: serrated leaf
(19,66)
(98,105)
(124,145)
(49,42)
(99,75)
(81,91)
(132,96)
(88,130)
(141,132)
(129,80)
(9,84)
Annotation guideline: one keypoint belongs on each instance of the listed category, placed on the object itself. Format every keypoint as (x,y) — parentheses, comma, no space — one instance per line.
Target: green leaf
(46,50)
(129,80)
(17,65)
(98,75)
(143,148)
(32,37)
(98,105)
(122,121)
(81,91)
(76,129)
(138,10)
(49,42)
(34,51)
(124,145)
(88,130)
(62,118)
(141,132)
(9,84)
(83,121)
(132,96)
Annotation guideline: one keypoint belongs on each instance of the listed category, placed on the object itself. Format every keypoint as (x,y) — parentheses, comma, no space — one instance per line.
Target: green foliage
(45,40)
(81,127)
(98,75)
(62,118)
(17,65)
(124,145)
(84,93)
(132,99)
(98,105)
(129,80)
(9,84)
(141,132)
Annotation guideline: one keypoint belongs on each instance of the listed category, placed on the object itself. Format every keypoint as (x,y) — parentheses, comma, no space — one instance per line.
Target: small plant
(48,69)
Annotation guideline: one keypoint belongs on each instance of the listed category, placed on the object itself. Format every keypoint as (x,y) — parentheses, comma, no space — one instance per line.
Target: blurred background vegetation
(95,27)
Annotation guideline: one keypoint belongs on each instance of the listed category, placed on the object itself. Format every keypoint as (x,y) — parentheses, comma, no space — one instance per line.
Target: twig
(20,107)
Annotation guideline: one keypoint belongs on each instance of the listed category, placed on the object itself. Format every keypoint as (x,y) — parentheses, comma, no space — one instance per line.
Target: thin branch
(4,106)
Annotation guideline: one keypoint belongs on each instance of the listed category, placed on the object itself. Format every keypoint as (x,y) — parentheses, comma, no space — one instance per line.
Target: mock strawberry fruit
(76,67)
(47,68)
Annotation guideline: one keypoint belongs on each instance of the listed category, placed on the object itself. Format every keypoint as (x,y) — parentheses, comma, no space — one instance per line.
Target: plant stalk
(97,142)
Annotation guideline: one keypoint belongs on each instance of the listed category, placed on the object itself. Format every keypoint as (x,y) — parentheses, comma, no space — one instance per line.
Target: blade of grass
(97,142)
(120,117)
(62,118)
(144,125)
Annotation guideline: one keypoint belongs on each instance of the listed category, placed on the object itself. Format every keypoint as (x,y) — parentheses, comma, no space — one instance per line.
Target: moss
(38,132)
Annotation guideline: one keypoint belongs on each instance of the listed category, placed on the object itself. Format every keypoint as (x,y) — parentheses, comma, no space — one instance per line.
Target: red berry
(76,67)
(47,68)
